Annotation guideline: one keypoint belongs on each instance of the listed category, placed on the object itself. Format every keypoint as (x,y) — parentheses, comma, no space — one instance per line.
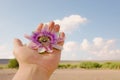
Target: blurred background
(91,27)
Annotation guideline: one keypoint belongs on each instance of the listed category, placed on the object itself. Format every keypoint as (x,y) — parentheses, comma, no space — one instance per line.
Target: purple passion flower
(44,40)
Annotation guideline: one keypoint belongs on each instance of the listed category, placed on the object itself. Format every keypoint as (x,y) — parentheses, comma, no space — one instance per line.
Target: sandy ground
(71,74)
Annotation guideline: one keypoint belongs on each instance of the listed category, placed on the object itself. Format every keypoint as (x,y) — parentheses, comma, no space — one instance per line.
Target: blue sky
(93,33)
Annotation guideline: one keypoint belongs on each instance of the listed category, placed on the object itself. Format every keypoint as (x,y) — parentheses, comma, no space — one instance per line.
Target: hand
(47,62)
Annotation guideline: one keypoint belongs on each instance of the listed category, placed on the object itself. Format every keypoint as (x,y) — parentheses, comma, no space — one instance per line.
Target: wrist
(34,72)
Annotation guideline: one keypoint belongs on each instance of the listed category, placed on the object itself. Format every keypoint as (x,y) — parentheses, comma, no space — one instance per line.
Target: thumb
(17,43)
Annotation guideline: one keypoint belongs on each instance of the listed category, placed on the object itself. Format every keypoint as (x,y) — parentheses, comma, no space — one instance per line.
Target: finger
(56,28)
(27,36)
(17,43)
(39,28)
(60,44)
(62,36)
(51,26)
(45,28)
(56,54)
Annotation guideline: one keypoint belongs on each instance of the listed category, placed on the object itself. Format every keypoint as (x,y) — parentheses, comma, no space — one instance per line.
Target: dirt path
(71,74)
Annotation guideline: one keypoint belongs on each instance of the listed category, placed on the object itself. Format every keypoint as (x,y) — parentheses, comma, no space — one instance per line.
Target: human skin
(35,66)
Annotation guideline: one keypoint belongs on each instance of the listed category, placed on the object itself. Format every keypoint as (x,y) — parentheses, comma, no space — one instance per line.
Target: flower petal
(42,46)
(41,49)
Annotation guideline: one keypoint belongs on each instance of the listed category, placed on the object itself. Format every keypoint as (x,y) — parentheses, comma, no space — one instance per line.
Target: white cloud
(98,49)
(70,51)
(71,22)
(5,52)
(84,44)
(98,42)
(103,49)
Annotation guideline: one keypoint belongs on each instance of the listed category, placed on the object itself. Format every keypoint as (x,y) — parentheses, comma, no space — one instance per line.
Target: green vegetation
(111,65)
(72,65)
(3,66)
(13,63)
(66,66)
(91,65)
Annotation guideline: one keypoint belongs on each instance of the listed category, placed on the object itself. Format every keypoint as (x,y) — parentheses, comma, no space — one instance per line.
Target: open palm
(28,56)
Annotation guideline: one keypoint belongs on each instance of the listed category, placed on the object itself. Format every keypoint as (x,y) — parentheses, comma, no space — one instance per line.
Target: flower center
(44,39)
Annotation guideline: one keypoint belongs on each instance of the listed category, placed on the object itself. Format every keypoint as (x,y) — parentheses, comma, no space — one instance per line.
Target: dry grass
(71,74)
